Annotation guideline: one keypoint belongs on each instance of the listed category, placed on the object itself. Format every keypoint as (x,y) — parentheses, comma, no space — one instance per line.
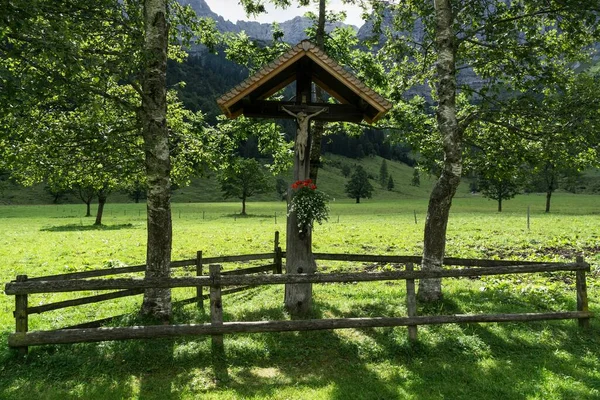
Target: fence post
(411,303)
(216,305)
(21,317)
(199,296)
(582,298)
(278,258)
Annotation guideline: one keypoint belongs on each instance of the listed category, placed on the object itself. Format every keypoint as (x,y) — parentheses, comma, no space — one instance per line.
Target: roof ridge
(307,47)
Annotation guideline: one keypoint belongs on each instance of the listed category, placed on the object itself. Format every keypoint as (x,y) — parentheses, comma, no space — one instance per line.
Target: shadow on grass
(77,228)
(492,361)
(543,359)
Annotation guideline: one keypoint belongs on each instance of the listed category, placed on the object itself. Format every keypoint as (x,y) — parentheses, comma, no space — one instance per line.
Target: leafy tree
(243,179)
(383,173)
(59,55)
(358,185)
(390,184)
(506,47)
(499,188)
(568,132)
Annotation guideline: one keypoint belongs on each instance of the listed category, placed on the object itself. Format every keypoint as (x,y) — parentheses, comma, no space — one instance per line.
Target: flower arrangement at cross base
(309,204)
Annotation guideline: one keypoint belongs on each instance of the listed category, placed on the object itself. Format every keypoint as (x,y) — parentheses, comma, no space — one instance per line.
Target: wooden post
(278,258)
(411,303)
(216,305)
(199,298)
(21,317)
(582,298)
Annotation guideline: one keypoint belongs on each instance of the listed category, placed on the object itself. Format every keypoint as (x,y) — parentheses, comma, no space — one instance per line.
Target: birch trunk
(157,302)
(440,200)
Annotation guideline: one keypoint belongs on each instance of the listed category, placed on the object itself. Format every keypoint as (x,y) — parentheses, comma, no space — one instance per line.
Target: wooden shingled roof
(307,63)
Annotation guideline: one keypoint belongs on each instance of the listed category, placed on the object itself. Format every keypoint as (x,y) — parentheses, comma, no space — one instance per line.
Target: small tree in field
(499,187)
(358,185)
(242,179)
(390,184)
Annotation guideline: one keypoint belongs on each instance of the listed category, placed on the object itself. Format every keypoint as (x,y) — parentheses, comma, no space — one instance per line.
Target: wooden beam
(304,81)
(63,336)
(272,109)
(17,288)
(84,300)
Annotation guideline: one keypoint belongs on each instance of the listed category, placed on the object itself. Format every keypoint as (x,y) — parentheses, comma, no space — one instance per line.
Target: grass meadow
(540,360)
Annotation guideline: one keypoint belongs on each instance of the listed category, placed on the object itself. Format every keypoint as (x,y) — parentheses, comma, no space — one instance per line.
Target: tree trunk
(319,126)
(157,302)
(357,200)
(88,205)
(101,202)
(548,198)
(499,203)
(299,257)
(440,200)
(244,206)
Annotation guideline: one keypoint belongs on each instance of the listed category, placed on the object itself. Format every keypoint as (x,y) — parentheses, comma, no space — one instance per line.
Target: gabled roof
(324,71)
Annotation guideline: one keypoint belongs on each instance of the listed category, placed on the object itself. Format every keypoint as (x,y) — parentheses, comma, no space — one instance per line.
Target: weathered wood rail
(240,280)
(23,311)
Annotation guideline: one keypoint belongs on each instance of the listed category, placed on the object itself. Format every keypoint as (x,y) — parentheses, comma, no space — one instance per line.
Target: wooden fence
(241,279)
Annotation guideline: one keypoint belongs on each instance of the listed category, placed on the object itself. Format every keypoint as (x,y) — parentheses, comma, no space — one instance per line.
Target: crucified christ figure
(303,121)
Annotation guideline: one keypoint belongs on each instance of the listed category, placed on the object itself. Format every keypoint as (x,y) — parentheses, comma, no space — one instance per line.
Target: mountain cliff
(293,30)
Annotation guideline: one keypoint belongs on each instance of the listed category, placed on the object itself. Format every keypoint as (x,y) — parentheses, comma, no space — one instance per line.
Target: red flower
(307,183)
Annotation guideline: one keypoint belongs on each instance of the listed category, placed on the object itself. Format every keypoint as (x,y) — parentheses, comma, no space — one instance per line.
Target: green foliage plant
(309,204)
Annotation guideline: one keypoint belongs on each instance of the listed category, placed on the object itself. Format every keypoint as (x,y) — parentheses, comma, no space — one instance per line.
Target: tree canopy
(358,186)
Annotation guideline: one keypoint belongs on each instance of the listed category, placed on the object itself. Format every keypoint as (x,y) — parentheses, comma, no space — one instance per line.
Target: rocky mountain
(293,30)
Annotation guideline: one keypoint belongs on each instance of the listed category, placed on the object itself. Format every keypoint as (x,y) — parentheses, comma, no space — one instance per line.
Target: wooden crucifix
(303,121)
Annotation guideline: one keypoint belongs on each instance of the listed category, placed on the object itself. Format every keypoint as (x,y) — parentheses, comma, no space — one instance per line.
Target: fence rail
(240,279)
(162,331)
(29,287)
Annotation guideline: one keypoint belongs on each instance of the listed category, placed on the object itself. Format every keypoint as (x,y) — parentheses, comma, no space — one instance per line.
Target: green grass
(541,360)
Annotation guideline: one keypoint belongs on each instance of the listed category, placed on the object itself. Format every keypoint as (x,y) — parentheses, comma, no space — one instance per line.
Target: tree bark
(157,302)
(244,206)
(548,198)
(500,203)
(357,200)
(299,257)
(101,202)
(88,205)
(443,191)
(319,126)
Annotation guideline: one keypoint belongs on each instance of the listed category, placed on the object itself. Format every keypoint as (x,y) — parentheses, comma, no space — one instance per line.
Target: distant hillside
(330,181)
